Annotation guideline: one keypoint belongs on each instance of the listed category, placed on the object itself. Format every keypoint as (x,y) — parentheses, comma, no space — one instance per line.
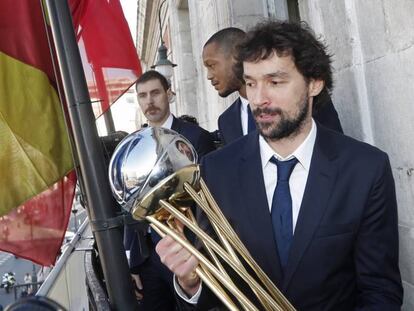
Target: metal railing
(57,269)
(26,289)
(65,283)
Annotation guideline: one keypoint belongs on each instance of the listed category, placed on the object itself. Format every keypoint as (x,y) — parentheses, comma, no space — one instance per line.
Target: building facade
(372,43)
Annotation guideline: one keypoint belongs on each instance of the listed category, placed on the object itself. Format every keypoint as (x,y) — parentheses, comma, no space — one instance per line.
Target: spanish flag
(35,153)
(37,180)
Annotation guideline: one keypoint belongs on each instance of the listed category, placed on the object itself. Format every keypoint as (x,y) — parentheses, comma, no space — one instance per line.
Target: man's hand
(181,262)
(137,286)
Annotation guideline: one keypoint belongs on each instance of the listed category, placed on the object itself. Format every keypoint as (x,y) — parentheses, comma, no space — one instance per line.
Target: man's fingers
(138,295)
(177,258)
(187,268)
(165,244)
(137,281)
(138,286)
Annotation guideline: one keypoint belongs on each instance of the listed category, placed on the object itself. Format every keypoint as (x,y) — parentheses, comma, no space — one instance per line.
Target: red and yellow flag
(35,154)
(36,177)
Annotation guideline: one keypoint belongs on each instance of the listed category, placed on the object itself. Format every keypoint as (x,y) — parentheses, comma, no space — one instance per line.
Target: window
(284,9)
(293,10)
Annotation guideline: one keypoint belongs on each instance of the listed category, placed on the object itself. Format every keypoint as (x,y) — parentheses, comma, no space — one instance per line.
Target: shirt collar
(168,123)
(303,153)
(244,104)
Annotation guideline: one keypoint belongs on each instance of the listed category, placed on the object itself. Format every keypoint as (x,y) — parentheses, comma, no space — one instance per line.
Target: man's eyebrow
(246,76)
(276,74)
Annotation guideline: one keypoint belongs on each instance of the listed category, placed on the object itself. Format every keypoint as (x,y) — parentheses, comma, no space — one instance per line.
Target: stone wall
(185,72)
(373,46)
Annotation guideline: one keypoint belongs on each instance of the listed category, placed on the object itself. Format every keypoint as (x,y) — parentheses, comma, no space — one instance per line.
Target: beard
(233,84)
(227,91)
(286,126)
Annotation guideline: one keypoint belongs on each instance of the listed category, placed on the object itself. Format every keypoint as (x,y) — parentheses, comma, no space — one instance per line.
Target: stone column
(185,73)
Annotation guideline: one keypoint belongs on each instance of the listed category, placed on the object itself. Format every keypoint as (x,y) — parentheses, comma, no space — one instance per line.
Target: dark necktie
(282,209)
(251,124)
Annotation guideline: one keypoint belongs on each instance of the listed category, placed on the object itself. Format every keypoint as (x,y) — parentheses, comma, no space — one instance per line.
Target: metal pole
(91,160)
(74,212)
(109,121)
(34,279)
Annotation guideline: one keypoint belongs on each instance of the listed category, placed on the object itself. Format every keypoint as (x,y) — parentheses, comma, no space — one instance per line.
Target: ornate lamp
(163,64)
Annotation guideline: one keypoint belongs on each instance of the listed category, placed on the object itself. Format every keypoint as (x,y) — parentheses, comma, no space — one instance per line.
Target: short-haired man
(153,92)
(226,75)
(153,98)
(316,209)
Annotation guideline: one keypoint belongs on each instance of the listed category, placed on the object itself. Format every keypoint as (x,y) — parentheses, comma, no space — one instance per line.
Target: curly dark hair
(295,39)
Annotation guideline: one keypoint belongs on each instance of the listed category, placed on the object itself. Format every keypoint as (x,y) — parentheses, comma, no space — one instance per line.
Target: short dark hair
(153,75)
(227,39)
(295,39)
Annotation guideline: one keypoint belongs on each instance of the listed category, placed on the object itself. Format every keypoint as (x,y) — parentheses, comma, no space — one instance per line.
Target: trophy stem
(247,304)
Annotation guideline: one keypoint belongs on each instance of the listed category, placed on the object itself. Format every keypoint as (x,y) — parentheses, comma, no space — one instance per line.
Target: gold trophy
(154,176)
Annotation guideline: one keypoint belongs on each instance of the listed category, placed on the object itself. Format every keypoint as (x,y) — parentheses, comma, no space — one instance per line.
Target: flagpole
(100,203)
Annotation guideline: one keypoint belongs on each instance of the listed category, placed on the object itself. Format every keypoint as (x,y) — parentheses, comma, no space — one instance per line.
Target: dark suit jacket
(203,144)
(198,137)
(344,254)
(230,127)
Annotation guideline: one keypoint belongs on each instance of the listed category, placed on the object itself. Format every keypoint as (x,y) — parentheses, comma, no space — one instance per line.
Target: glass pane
(293,10)
(284,9)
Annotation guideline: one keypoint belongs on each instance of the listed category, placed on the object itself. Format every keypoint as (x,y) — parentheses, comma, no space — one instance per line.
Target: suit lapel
(232,127)
(176,126)
(257,231)
(321,179)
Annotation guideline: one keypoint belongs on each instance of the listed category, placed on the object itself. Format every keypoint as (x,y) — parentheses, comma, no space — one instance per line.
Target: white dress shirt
(297,183)
(243,115)
(299,176)
(168,123)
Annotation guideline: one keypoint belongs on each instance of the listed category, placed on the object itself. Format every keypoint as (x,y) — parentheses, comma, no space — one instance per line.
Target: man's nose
(258,96)
(149,100)
(209,74)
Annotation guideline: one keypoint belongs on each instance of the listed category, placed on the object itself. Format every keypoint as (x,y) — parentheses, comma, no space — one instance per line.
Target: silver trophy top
(145,158)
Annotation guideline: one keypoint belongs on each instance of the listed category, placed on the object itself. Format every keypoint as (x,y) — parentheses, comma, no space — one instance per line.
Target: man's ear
(315,87)
(170,95)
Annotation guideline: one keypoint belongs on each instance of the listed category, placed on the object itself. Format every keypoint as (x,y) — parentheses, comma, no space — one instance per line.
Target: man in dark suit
(316,209)
(153,98)
(225,73)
